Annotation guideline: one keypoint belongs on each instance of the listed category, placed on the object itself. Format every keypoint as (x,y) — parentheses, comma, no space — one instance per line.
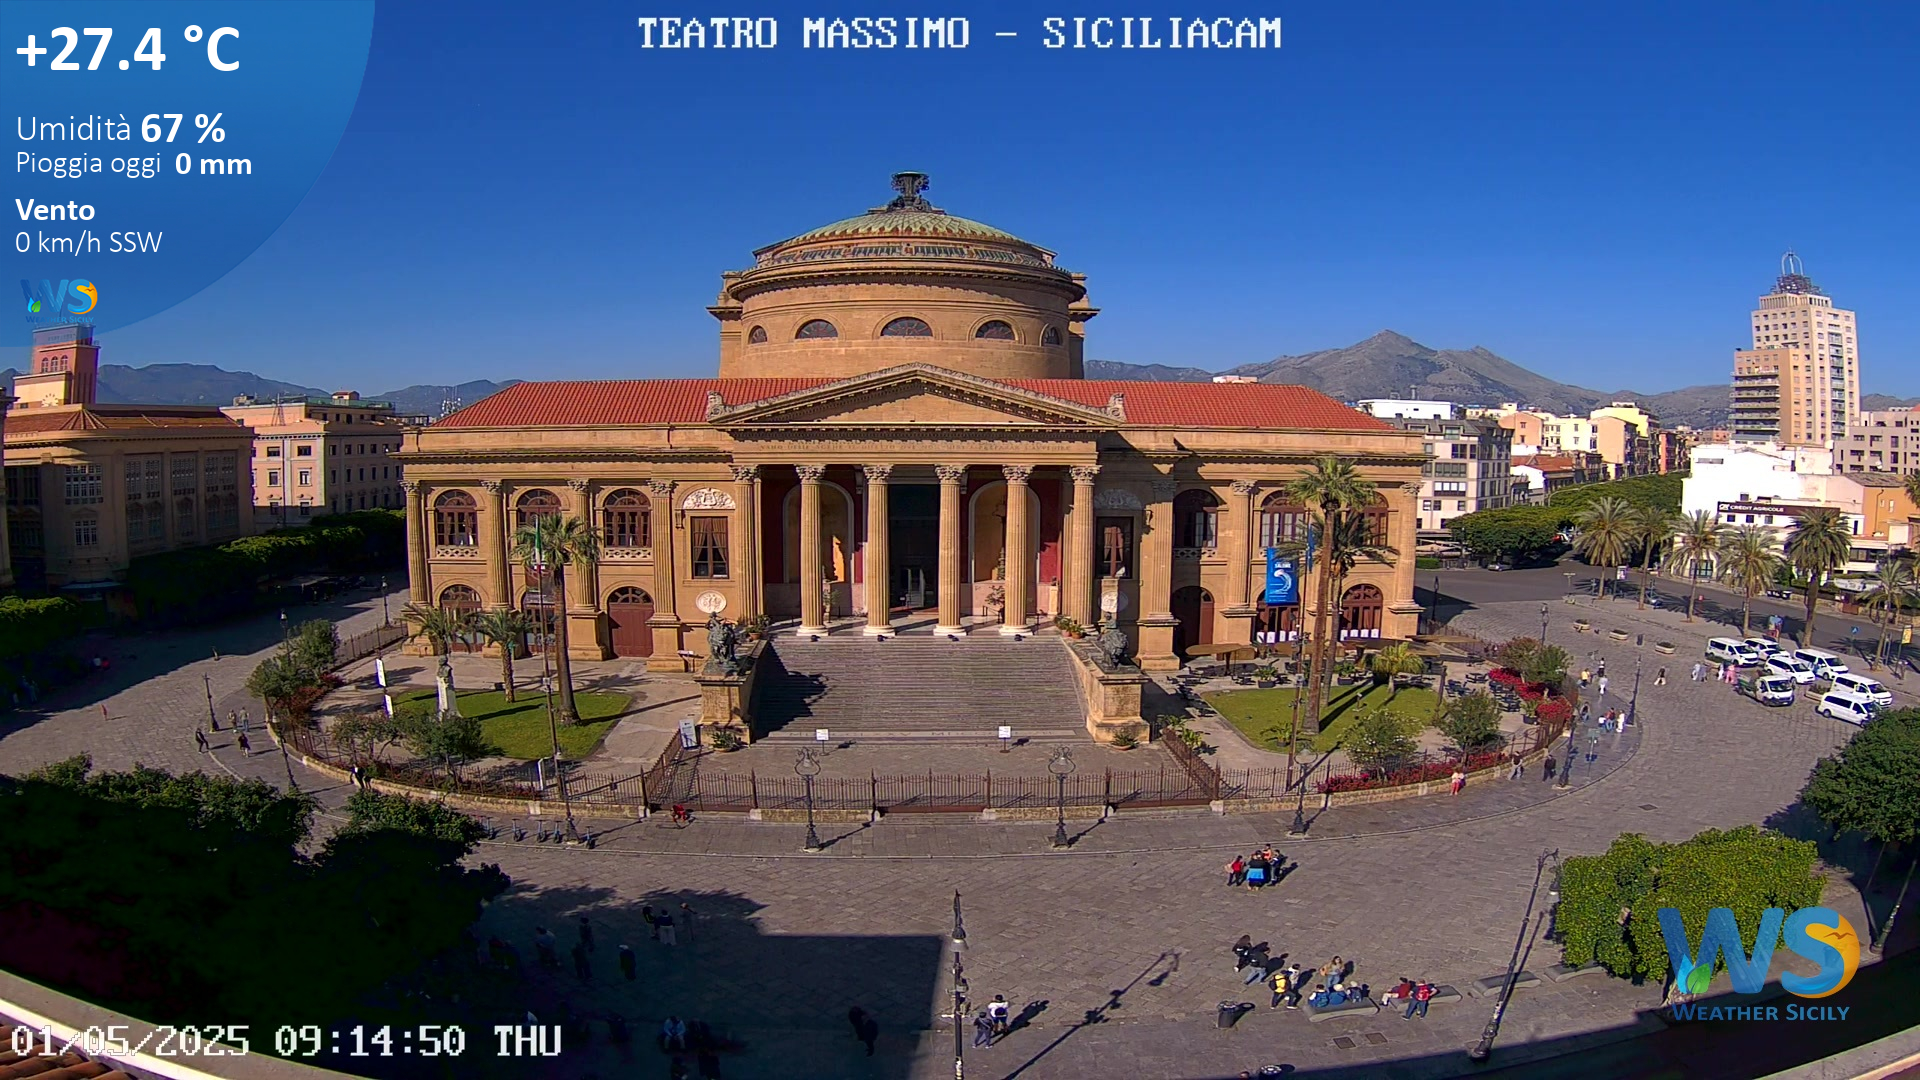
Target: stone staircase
(918,689)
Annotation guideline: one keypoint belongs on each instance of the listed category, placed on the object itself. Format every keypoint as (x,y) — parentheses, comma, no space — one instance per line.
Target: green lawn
(1257,713)
(519,728)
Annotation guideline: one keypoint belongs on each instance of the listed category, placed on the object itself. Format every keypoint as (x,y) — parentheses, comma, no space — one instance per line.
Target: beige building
(1881,441)
(1621,434)
(901,440)
(1800,383)
(1469,467)
(90,486)
(318,456)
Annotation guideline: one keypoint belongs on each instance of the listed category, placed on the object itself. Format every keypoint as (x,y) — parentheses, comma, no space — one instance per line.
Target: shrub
(29,626)
(1426,562)
(1471,723)
(725,738)
(1379,736)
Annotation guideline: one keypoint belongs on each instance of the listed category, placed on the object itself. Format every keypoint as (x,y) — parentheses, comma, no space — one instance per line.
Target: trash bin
(1231,1012)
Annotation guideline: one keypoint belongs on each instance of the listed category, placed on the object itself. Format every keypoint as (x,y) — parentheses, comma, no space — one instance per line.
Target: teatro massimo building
(900,435)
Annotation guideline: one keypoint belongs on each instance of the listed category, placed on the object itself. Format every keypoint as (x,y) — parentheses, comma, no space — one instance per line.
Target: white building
(1772,486)
(1408,409)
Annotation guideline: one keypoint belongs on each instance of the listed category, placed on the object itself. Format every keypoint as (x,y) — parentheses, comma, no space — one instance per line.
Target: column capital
(411,487)
(660,489)
(1084,474)
(493,487)
(1411,487)
(1244,488)
(951,474)
(877,474)
(1164,490)
(580,487)
(1016,474)
(810,474)
(744,473)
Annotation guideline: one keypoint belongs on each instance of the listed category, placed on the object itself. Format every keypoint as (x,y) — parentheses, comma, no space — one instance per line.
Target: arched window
(459,598)
(814,329)
(1051,336)
(1281,520)
(1196,513)
(757,336)
(627,594)
(907,327)
(1361,608)
(628,520)
(1272,625)
(455,520)
(535,504)
(995,330)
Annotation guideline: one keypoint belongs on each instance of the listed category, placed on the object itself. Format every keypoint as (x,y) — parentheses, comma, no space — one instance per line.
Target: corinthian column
(666,618)
(952,478)
(1019,581)
(812,573)
(879,568)
(1156,582)
(585,588)
(493,546)
(1081,560)
(1239,545)
(746,545)
(418,539)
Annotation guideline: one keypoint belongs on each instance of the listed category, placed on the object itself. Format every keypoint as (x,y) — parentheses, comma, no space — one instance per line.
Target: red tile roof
(684,401)
(40,421)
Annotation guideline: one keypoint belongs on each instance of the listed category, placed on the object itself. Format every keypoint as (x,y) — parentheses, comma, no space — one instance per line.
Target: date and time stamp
(130,1042)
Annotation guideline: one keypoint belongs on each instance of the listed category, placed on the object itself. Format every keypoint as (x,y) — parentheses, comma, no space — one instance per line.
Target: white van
(1866,687)
(1792,667)
(1841,705)
(1764,646)
(1728,650)
(1825,665)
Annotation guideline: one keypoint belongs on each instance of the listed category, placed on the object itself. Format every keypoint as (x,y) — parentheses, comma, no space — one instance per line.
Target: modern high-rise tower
(1800,383)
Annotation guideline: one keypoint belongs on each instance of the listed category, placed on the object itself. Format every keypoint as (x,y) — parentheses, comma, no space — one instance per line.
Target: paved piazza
(1123,939)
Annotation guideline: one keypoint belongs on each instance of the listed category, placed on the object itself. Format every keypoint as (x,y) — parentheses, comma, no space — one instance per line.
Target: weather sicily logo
(59,301)
(1819,934)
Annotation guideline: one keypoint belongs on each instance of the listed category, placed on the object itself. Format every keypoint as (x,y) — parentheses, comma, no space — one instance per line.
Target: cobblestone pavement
(1122,940)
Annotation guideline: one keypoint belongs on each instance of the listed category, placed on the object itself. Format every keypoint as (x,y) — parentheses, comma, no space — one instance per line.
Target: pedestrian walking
(1457,781)
(1242,952)
(1000,1013)
(1660,677)
(544,946)
(586,932)
(1236,871)
(1546,772)
(1603,686)
(1518,766)
(103,711)
(686,921)
(664,922)
(244,748)
(629,966)
(1601,671)
(1586,676)
(200,740)
(982,1029)
(856,1016)
(646,916)
(580,966)
(865,1028)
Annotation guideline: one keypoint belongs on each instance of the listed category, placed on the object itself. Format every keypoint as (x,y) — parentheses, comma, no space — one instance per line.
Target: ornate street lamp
(959,992)
(553,730)
(1484,1047)
(285,638)
(386,618)
(1061,765)
(808,767)
(1543,622)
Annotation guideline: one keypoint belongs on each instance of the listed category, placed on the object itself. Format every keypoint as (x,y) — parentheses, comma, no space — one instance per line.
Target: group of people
(1258,869)
(662,927)
(1726,673)
(241,722)
(1331,984)
(991,1022)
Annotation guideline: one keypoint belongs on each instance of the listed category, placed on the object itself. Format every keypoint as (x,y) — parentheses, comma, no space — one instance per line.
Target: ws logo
(55,300)
(1817,933)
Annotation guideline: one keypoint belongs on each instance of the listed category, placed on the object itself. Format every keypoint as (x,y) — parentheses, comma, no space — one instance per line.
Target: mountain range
(1386,365)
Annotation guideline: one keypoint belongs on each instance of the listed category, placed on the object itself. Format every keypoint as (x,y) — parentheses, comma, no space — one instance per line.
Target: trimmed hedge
(1526,533)
(29,626)
(196,584)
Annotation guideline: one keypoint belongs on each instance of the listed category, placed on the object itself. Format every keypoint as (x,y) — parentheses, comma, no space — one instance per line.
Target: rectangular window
(273,451)
(223,489)
(86,531)
(273,477)
(303,450)
(708,538)
(306,477)
(86,484)
(1116,546)
(1281,525)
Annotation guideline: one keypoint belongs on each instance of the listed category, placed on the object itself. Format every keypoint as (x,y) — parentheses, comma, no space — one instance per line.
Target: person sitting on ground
(1400,992)
(1242,952)
(673,1034)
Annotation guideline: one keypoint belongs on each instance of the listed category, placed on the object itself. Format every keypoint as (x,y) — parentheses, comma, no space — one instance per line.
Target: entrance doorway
(913,545)
(628,610)
(1193,607)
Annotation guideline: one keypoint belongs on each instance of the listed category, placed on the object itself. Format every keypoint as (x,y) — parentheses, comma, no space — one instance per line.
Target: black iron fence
(369,643)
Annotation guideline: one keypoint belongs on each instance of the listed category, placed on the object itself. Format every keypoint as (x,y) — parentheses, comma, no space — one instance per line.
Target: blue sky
(1597,192)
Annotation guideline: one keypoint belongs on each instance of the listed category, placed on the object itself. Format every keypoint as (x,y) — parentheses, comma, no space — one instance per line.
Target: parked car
(1497,565)
(1764,646)
(1867,687)
(1790,666)
(1771,690)
(1841,705)
(1780,594)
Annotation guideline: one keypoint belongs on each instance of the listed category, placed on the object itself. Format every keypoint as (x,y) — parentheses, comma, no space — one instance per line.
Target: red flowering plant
(1555,712)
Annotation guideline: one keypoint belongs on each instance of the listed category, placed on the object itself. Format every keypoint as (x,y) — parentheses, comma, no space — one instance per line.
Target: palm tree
(1913,488)
(1654,526)
(1607,533)
(1329,486)
(1890,594)
(439,626)
(1695,544)
(1750,558)
(1821,542)
(555,543)
(1394,661)
(507,628)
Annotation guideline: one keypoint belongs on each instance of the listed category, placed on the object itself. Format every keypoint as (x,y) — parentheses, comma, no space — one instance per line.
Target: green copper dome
(908,215)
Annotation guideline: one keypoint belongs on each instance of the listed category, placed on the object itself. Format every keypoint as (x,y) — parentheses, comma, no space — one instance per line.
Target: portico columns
(952,478)
(1079,605)
(418,539)
(493,547)
(1019,580)
(812,573)
(1156,583)
(666,620)
(1239,547)
(746,545)
(878,569)
(586,630)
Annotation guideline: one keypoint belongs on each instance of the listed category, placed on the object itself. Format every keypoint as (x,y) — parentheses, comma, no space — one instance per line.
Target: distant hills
(205,384)
(1392,365)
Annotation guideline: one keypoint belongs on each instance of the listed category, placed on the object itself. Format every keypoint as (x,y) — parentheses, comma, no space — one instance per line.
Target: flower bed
(1416,774)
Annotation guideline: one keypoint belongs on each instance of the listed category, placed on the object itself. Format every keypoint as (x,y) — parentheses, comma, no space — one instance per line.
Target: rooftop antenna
(1793,276)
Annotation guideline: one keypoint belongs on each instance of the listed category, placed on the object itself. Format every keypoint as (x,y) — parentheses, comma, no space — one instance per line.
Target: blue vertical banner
(1283,580)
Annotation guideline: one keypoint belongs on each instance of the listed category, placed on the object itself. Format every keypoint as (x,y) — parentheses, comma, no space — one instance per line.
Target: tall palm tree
(1654,526)
(1607,533)
(1340,545)
(1913,488)
(1695,544)
(507,628)
(1329,486)
(1892,592)
(1820,543)
(439,626)
(557,543)
(1748,561)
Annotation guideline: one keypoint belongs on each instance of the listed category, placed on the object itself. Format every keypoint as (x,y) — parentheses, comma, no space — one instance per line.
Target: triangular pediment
(915,394)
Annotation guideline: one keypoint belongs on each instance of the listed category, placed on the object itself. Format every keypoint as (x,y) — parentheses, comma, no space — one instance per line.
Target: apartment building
(1621,434)
(1469,466)
(1800,382)
(322,455)
(1885,440)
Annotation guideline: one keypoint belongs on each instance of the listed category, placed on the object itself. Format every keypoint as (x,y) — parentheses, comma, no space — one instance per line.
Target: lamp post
(1543,622)
(1569,575)
(386,617)
(1566,763)
(285,639)
(808,767)
(213,718)
(1061,766)
(1484,1047)
(553,730)
(959,992)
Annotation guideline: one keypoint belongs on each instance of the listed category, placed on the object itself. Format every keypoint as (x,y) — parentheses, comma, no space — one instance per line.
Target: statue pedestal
(1112,692)
(725,698)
